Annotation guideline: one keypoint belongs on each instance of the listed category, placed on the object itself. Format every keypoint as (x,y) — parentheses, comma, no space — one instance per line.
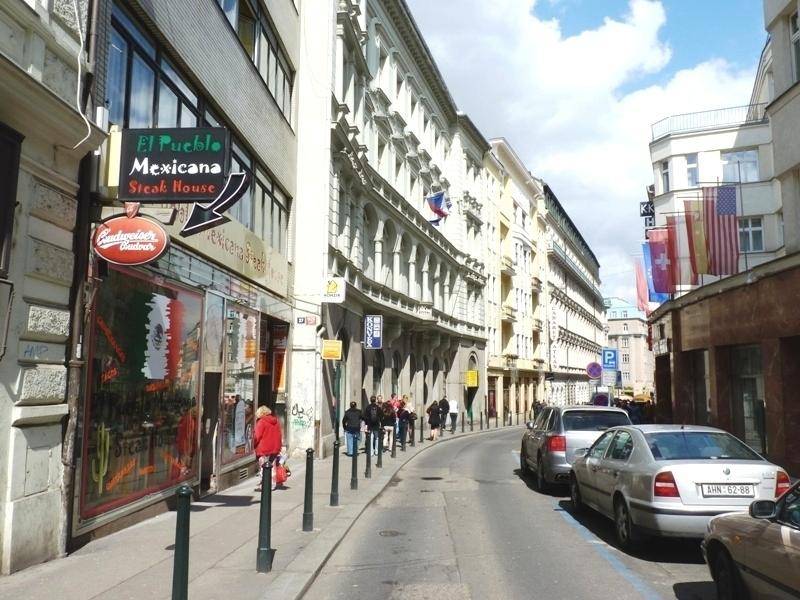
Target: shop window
(751,234)
(140,416)
(238,399)
(748,406)
(740,166)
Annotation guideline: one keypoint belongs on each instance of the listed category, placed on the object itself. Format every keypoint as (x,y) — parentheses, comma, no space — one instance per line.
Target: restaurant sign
(130,241)
(181,166)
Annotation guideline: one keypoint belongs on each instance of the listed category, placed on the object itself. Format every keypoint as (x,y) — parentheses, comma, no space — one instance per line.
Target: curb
(295,583)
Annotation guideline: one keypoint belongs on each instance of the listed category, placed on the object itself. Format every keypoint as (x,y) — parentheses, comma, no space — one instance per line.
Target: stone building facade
(44,143)
(628,333)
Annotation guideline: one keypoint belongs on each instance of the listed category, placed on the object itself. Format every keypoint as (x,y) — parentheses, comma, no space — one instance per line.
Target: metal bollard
(368,455)
(394,442)
(481,420)
(472,421)
(354,472)
(308,502)
(180,567)
(496,416)
(379,463)
(462,422)
(265,554)
(403,436)
(517,418)
(422,428)
(335,475)
(412,436)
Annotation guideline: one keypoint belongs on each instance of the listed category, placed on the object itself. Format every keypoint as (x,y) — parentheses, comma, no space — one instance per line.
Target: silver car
(549,443)
(670,480)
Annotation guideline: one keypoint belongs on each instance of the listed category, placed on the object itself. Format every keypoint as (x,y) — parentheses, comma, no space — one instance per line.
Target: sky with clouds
(574,85)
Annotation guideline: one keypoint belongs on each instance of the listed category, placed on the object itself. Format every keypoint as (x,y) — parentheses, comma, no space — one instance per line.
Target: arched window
(397,366)
(377,372)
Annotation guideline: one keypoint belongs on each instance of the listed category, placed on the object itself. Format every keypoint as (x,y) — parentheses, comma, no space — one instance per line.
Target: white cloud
(558,101)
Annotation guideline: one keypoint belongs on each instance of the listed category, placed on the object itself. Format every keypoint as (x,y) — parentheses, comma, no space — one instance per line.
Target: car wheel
(575,494)
(541,480)
(523,461)
(623,526)
(726,577)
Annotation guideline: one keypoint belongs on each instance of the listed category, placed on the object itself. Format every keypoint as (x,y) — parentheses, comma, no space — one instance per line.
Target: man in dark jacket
(444,411)
(372,417)
(352,428)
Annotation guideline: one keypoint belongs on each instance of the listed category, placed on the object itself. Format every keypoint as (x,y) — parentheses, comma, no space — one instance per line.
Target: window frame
(740,176)
(794,42)
(692,167)
(612,446)
(10,151)
(745,227)
(665,187)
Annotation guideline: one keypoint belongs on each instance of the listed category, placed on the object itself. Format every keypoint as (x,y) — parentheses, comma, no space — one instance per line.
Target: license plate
(728,490)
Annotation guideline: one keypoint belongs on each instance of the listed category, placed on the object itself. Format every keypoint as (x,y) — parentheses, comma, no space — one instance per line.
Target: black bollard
(180,567)
(462,422)
(394,442)
(308,502)
(496,416)
(379,463)
(403,436)
(368,455)
(354,472)
(335,475)
(472,421)
(517,418)
(481,420)
(422,429)
(265,554)
(411,437)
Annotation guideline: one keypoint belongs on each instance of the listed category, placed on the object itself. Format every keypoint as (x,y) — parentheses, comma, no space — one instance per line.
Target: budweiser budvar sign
(130,240)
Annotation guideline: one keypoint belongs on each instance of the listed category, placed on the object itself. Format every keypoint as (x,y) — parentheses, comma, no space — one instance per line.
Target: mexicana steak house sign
(181,166)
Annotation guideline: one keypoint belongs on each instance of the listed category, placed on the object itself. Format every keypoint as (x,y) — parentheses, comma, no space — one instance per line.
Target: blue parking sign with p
(609,359)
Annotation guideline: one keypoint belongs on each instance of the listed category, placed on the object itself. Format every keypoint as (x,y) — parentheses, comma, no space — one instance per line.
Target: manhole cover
(388,533)
(432,478)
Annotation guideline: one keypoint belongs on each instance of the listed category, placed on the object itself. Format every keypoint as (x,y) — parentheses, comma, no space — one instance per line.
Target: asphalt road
(460,522)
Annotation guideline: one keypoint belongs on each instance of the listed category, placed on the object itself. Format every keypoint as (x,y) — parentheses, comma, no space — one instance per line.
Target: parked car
(757,553)
(549,443)
(669,480)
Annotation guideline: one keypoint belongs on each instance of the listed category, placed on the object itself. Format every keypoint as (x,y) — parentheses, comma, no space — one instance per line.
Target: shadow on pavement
(695,590)
(222,500)
(658,550)
(554,491)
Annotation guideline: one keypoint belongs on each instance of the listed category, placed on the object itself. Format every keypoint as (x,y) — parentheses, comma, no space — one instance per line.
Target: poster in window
(213,335)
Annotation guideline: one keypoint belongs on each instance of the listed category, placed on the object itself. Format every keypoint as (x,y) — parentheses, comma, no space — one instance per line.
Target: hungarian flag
(663,282)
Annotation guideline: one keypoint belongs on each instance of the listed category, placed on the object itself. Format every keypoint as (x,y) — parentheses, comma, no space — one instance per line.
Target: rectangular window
(625,342)
(736,162)
(794,29)
(10,145)
(664,177)
(626,358)
(751,234)
(692,173)
(142,403)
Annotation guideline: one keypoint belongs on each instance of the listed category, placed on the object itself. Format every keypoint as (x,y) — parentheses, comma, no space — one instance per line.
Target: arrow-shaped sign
(210,215)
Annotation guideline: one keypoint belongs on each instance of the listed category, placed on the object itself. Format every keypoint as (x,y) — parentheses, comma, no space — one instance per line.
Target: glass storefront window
(140,424)
(238,399)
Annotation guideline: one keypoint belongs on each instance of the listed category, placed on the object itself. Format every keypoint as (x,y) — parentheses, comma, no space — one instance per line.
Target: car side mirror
(582,452)
(529,425)
(763,509)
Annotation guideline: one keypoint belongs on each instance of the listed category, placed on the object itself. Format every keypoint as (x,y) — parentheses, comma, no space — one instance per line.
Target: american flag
(722,229)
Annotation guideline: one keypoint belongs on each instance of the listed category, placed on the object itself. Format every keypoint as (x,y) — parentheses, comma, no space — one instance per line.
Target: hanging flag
(722,229)
(436,202)
(680,253)
(642,302)
(660,260)
(652,294)
(435,222)
(696,231)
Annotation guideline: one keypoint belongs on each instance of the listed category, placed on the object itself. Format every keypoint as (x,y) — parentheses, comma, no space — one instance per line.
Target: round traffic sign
(594,370)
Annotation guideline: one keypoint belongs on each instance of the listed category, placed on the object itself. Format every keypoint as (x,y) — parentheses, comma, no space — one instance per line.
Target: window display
(238,407)
(141,420)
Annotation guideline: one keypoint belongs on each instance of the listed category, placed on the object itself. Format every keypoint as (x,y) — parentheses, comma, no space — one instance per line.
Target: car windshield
(696,445)
(593,420)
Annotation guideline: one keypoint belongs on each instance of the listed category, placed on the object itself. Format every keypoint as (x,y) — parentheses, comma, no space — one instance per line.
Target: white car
(670,480)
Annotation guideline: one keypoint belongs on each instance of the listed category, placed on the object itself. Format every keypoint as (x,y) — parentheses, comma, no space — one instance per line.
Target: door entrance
(208,432)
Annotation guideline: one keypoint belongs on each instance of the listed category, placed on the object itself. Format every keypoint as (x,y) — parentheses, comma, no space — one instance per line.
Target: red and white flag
(722,229)
(680,251)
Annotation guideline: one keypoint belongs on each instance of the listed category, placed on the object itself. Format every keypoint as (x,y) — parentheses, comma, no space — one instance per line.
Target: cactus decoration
(100,464)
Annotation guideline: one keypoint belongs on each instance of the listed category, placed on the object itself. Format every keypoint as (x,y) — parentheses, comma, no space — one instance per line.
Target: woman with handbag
(268,440)
(434,419)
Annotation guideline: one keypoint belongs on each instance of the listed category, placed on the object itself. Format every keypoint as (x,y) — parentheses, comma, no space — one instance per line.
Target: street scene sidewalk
(137,562)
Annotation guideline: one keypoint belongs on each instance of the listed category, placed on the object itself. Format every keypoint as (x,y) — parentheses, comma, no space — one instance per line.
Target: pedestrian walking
(403,417)
(268,440)
(388,421)
(372,418)
(453,415)
(444,412)
(351,422)
(434,419)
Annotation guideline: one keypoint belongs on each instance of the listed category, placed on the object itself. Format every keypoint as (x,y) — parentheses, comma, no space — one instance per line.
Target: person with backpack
(372,418)
(434,419)
(352,428)
(444,412)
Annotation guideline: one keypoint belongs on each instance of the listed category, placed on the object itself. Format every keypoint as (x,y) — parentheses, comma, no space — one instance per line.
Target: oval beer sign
(130,241)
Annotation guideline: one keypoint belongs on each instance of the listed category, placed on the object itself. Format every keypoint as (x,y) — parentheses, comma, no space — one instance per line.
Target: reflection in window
(142,92)
(238,399)
(116,85)
(744,162)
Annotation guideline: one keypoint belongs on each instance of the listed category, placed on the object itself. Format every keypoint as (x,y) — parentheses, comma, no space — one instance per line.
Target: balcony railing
(709,119)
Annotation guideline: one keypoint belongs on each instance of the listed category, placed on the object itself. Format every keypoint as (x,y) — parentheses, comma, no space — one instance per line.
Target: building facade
(396,139)
(727,352)
(514,261)
(575,313)
(627,332)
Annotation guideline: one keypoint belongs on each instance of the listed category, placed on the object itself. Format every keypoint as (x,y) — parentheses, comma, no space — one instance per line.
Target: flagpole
(741,199)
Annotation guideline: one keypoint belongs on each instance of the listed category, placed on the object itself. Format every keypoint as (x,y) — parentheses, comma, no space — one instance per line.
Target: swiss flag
(663,261)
